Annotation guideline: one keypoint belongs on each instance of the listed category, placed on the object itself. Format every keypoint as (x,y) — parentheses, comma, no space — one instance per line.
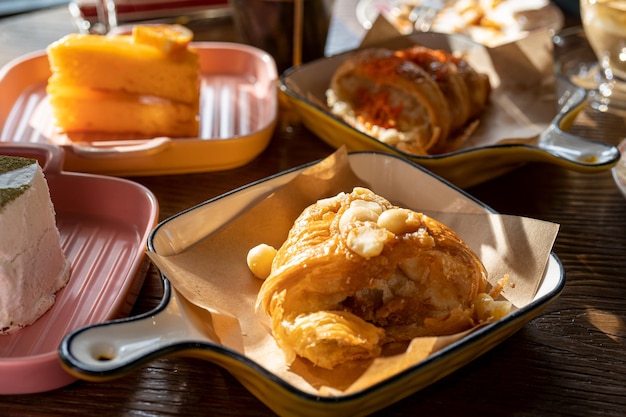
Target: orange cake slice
(88,110)
(146,83)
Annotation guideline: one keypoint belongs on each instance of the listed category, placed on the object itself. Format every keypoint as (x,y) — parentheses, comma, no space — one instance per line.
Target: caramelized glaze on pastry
(418,99)
(357,272)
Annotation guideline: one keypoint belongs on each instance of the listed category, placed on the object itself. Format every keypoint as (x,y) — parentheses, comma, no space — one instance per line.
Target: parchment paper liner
(523,100)
(213,274)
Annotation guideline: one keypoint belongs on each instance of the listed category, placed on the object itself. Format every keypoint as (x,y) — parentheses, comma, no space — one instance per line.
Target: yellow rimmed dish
(537,131)
(179,327)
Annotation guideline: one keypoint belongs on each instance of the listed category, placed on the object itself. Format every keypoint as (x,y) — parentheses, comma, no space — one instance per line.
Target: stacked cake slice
(146,83)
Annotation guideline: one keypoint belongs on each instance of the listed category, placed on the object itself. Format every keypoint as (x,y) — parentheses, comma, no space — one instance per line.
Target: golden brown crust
(443,70)
(386,91)
(418,99)
(478,86)
(357,272)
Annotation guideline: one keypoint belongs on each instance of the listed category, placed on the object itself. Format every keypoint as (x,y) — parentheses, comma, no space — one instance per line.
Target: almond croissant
(357,272)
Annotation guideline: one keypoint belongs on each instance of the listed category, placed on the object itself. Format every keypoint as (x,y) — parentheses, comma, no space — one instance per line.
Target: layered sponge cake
(146,83)
(33,266)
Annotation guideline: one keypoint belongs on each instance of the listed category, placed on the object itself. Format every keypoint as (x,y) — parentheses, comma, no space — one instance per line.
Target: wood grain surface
(569,361)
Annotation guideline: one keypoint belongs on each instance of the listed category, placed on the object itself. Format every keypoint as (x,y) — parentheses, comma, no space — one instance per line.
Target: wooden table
(569,361)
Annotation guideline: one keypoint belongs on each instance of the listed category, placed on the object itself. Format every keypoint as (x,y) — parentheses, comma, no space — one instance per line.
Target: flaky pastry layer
(357,272)
(419,100)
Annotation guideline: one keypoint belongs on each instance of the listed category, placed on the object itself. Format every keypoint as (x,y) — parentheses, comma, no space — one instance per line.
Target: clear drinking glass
(93,16)
(604,22)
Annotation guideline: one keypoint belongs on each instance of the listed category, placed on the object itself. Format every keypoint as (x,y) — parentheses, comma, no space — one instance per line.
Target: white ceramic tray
(179,327)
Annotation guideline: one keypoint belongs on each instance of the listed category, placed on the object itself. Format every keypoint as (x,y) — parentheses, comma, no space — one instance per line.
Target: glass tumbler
(604,23)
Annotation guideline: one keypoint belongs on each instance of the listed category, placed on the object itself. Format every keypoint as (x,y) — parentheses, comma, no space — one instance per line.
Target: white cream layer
(33,266)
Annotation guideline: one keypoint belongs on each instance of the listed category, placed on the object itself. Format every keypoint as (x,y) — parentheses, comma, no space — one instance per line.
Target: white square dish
(178,326)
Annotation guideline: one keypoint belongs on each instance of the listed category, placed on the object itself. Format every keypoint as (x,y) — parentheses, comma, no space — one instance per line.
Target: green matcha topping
(12,186)
(12,163)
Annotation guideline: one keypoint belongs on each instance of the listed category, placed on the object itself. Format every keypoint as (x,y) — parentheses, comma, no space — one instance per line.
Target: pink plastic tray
(104,223)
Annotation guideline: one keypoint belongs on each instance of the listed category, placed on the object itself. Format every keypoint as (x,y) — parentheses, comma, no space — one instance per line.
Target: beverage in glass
(604,22)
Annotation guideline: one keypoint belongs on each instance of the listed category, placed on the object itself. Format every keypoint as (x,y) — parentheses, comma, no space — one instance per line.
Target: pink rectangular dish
(238,114)
(104,223)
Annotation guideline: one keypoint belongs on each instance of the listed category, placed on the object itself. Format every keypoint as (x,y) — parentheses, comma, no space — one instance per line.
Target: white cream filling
(32,264)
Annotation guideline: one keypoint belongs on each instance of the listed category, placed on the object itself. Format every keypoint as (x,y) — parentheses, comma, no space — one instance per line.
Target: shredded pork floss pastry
(357,272)
(419,100)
